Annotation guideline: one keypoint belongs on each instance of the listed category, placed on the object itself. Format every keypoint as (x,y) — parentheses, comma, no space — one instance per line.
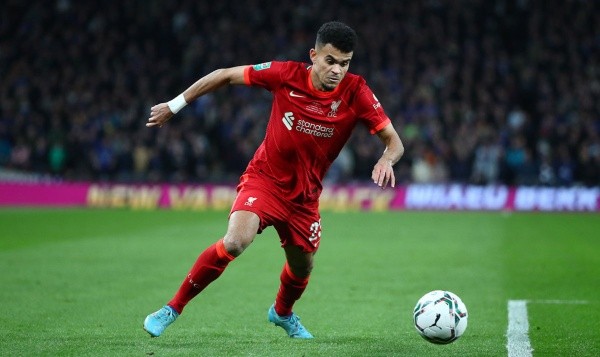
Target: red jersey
(308,128)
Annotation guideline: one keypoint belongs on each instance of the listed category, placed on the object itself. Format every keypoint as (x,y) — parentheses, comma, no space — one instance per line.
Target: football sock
(290,290)
(208,267)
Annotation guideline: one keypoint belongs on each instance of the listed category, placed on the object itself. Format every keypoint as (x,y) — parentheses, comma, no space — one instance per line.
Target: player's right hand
(159,115)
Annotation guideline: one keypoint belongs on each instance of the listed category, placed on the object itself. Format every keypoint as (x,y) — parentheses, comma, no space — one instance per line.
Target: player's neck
(317,87)
(316,83)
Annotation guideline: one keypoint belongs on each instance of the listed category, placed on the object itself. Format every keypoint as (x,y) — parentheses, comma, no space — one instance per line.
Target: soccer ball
(440,317)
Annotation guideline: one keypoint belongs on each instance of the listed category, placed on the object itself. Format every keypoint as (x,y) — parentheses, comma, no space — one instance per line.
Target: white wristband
(177,103)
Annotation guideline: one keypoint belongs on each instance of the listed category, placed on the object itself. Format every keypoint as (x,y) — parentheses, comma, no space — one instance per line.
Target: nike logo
(292,94)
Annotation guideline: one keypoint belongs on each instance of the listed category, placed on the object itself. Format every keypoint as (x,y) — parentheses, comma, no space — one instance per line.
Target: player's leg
(211,263)
(241,231)
(300,237)
(243,227)
(294,279)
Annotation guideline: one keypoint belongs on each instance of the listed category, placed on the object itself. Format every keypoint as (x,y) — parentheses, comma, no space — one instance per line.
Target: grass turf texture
(80,282)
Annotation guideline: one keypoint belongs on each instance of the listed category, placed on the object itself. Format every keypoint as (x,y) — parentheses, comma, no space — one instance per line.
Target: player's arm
(383,172)
(161,113)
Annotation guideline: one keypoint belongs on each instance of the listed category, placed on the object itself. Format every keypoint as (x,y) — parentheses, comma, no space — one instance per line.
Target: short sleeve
(267,75)
(370,110)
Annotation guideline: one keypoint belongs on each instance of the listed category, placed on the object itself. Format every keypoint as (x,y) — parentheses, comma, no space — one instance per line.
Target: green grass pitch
(79,282)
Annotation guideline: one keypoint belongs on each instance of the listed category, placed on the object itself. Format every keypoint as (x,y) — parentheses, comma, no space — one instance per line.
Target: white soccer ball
(440,317)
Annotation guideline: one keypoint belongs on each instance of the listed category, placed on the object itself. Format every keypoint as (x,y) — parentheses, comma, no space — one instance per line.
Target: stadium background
(481,93)
(497,104)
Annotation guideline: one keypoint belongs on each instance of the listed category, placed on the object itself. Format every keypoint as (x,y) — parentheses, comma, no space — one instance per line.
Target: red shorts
(296,224)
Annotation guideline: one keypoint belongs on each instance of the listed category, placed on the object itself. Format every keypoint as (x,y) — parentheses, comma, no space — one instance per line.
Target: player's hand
(383,173)
(159,115)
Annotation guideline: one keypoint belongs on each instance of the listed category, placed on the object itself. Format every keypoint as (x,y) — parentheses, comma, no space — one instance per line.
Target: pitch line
(560,302)
(518,344)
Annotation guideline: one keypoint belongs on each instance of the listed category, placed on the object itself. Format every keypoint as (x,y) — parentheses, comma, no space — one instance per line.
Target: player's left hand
(383,173)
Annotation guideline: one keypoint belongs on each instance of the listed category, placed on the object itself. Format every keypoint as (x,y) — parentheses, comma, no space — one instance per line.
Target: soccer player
(315,108)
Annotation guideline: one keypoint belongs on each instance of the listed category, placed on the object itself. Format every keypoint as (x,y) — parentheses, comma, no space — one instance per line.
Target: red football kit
(282,183)
(305,133)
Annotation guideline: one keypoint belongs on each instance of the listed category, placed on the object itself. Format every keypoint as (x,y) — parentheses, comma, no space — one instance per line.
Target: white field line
(518,344)
(517,334)
(559,302)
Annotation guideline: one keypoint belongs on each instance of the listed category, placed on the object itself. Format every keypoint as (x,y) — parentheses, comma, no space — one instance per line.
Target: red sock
(209,266)
(290,290)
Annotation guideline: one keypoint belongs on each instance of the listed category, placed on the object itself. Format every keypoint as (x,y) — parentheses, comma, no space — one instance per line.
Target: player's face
(330,65)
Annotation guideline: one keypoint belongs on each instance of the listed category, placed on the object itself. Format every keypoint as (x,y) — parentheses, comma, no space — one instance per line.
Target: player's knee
(235,244)
(301,270)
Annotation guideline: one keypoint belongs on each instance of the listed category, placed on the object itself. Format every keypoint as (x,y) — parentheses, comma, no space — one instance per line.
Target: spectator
(486,166)
(461,78)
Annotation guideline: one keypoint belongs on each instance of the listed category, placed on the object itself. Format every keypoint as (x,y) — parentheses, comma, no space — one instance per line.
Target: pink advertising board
(335,198)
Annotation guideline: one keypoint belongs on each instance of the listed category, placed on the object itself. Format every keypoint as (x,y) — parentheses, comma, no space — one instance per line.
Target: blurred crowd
(481,92)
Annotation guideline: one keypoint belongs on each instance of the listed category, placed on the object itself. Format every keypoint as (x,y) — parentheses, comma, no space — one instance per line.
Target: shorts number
(315,233)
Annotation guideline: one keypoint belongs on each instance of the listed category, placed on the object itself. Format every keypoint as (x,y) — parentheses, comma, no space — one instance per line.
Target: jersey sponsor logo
(261,66)
(318,130)
(288,120)
(250,201)
(303,126)
(334,108)
(294,94)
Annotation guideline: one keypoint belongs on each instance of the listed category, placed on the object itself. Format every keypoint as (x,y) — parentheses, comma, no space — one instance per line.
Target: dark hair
(338,34)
